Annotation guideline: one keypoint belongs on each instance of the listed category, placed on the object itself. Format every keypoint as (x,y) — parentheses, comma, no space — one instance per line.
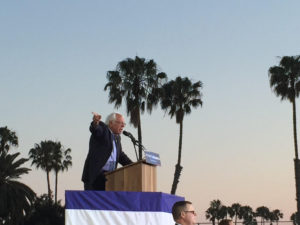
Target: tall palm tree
(8,138)
(61,161)
(235,211)
(177,97)
(138,82)
(42,157)
(16,198)
(285,83)
(212,213)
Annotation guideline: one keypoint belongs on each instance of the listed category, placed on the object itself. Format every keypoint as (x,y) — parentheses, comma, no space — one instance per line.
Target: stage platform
(119,208)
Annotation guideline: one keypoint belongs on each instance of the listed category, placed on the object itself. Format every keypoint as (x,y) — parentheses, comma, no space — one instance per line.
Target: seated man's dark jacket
(100,149)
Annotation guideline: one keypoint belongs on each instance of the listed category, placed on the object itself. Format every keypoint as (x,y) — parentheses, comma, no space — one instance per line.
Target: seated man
(184,213)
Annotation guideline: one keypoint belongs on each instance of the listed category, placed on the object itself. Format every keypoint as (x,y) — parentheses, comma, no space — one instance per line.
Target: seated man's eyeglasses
(193,212)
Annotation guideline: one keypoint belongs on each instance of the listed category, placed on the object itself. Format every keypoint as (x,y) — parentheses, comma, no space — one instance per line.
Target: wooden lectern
(138,176)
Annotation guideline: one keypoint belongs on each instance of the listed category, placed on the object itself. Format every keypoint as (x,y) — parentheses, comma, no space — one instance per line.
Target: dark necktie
(116,138)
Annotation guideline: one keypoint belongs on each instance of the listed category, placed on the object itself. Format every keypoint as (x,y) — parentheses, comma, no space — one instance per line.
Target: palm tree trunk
(140,136)
(180,142)
(235,221)
(295,129)
(297,178)
(56,179)
(178,167)
(296,164)
(48,184)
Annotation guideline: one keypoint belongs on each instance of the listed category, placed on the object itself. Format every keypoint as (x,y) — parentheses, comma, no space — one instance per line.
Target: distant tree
(285,83)
(264,213)
(212,213)
(275,216)
(248,215)
(235,211)
(294,218)
(42,157)
(45,212)
(138,82)
(8,139)
(222,214)
(61,161)
(178,97)
(15,197)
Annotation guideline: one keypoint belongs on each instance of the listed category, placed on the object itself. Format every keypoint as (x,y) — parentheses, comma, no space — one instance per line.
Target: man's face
(189,215)
(117,125)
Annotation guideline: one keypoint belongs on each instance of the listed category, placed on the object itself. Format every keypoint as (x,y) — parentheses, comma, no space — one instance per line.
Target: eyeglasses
(119,122)
(193,212)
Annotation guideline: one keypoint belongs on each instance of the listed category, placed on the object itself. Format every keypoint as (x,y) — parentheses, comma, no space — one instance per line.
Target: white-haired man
(105,150)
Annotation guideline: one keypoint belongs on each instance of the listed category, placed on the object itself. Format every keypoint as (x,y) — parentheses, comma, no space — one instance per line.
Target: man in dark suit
(105,150)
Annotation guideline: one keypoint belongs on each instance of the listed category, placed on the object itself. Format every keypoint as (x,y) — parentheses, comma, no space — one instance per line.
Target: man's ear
(182,214)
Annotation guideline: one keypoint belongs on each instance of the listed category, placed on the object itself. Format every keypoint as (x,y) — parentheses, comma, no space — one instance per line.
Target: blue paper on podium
(116,208)
(152,158)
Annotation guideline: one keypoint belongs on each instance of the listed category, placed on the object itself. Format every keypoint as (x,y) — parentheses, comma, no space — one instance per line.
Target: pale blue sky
(238,147)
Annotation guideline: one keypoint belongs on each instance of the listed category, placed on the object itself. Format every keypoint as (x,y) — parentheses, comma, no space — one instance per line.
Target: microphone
(128,134)
(134,141)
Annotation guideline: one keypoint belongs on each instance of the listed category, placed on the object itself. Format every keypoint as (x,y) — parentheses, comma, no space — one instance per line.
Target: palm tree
(8,138)
(178,96)
(212,213)
(138,82)
(42,157)
(247,215)
(223,212)
(264,213)
(235,211)
(293,218)
(285,83)
(275,215)
(16,198)
(61,161)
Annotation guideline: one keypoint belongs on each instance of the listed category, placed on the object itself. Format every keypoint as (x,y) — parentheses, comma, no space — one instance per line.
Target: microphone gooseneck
(134,141)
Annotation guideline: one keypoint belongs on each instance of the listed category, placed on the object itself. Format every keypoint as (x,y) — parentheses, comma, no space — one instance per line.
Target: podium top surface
(130,165)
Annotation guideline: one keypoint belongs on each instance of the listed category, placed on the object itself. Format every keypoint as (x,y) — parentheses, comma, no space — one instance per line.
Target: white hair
(111,117)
